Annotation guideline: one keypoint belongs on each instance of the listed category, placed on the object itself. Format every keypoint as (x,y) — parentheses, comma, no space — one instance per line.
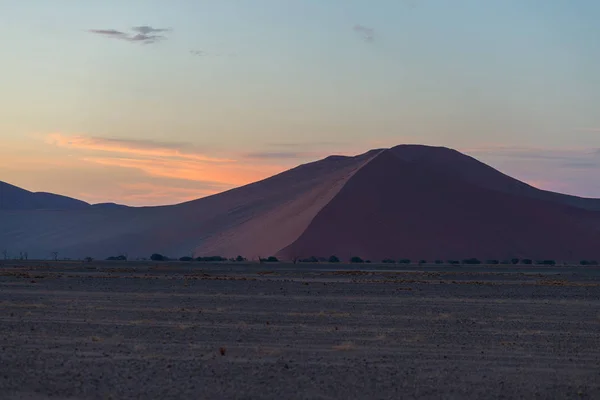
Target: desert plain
(152,330)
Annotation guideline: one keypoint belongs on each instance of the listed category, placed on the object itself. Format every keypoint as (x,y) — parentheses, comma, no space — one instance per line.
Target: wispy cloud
(283,155)
(202,53)
(148,148)
(140,34)
(366,33)
(227,175)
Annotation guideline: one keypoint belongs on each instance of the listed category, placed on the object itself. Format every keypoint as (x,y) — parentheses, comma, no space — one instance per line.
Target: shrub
(471,261)
(547,262)
(88,259)
(422,262)
(269,259)
(388,261)
(514,261)
(211,259)
(240,259)
(404,261)
(117,258)
(439,261)
(526,261)
(356,260)
(333,259)
(453,262)
(368,261)
(492,262)
(311,259)
(186,259)
(158,257)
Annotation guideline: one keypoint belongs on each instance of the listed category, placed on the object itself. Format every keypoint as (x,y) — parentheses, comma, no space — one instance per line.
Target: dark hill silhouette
(407,202)
(410,201)
(15,198)
(458,165)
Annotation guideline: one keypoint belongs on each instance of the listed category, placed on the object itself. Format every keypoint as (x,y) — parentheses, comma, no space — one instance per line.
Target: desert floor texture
(103,330)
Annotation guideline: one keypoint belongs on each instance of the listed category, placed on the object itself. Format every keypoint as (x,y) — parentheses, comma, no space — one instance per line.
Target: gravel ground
(161,331)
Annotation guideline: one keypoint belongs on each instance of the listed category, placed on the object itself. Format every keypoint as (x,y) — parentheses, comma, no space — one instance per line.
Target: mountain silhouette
(410,201)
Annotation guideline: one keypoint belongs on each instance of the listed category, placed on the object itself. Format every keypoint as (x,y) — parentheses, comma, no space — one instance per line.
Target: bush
(453,262)
(240,259)
(356,260)
(158,257)
(311,259)
(211,259)
(269,259)
(526,261)
(439,261)
(88,259)
(588,262)
(117,258)
(492,262)
(422,262)
(547,262)
(333,259)
(404,261)
(514,261)
(186,259)
(471,261)
(388,261)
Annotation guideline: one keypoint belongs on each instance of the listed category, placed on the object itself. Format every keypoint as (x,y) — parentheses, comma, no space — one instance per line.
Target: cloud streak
(145,148)
(139,34)
(366,33)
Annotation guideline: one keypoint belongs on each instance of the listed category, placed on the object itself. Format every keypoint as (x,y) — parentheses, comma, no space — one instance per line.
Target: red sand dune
(395,207)
(410,201)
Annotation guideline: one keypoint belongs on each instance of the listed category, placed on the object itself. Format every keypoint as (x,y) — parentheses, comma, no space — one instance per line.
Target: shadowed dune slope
(15,198)
(407,203)
(457,165)
(254,220)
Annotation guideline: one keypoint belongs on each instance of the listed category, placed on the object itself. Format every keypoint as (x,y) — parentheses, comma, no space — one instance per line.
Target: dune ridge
(411,201)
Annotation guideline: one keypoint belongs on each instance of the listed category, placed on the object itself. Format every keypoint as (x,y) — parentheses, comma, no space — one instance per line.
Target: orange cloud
(189,170)
(145,148)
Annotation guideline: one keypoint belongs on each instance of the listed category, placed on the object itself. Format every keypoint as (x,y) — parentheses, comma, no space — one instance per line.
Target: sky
(147,102)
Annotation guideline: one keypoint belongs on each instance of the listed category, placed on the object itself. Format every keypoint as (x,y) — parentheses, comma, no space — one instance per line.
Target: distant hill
(15,198)
(410,201)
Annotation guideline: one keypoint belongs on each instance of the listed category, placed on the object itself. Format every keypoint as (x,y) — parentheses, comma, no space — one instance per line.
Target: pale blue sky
(283,82)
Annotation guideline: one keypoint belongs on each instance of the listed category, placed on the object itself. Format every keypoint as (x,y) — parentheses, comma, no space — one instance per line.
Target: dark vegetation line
(23,255)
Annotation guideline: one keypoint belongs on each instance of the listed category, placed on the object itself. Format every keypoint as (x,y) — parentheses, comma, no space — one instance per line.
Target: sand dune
(408,201)
(15,198)
(394,207)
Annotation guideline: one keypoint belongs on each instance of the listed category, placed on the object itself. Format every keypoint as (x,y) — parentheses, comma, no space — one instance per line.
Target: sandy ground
(159,331)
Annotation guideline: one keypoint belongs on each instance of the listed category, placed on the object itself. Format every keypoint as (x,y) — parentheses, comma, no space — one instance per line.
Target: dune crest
(410,201)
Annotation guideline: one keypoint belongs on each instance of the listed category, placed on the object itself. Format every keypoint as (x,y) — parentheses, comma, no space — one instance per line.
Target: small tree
(526,261)
(333,259)
(388,261)
(240,259)
(5,254)
(158,257)
(439,261)
(404,261)
(492,262)
(54,255)
(356,260)
(514,261)
(471,261)
(186,258)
